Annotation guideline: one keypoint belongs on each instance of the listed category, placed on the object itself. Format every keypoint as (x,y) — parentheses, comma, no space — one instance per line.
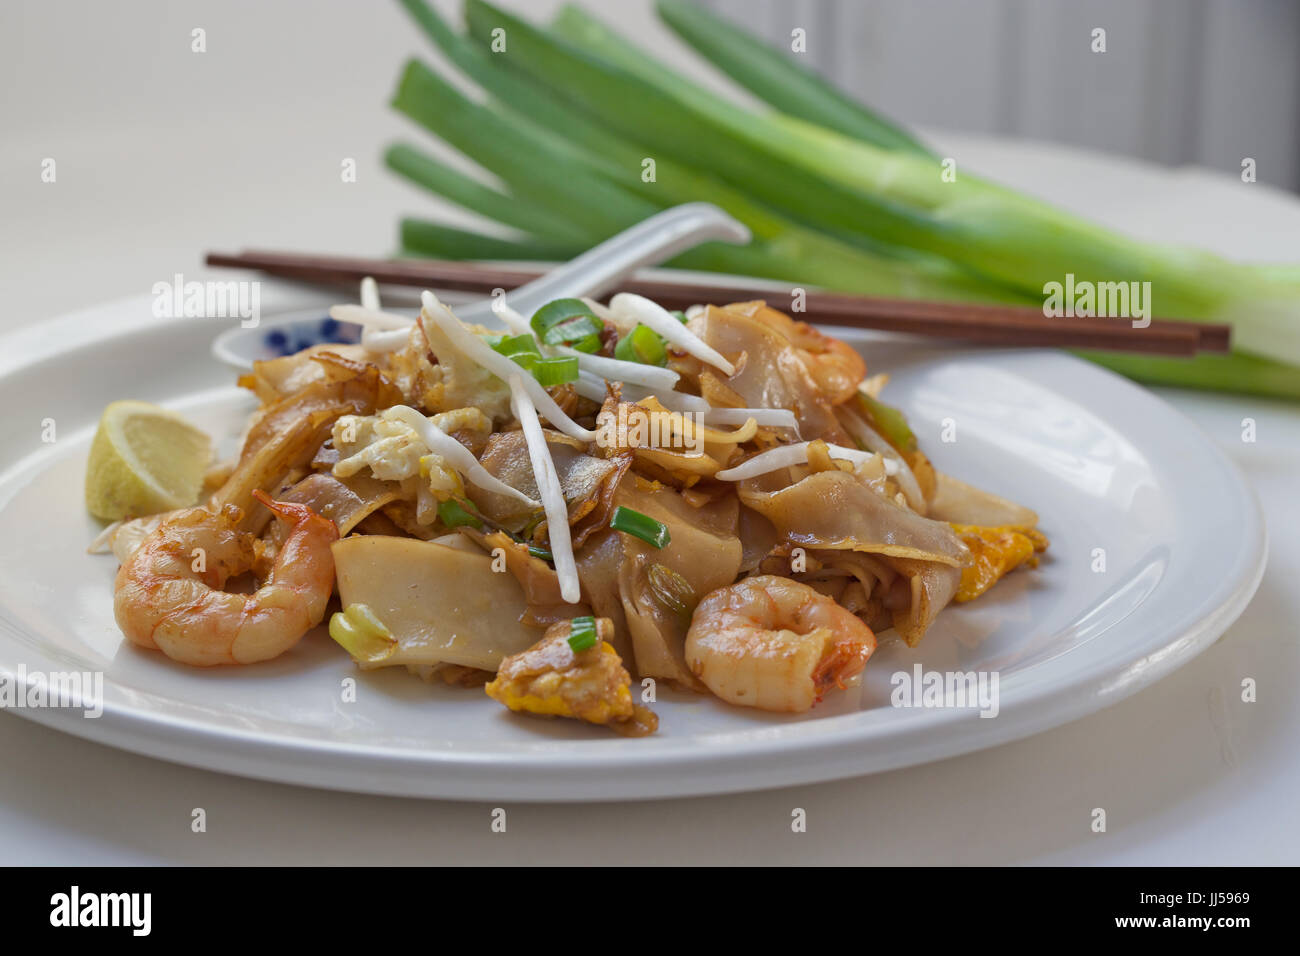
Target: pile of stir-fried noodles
(600,495)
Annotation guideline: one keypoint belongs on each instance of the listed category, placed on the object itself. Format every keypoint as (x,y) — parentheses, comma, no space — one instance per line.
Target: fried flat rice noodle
(585,480)
(540,583)
(289,432)
(657,588)
(961,503)
(770,372)
(273,379)
(835,510)
(345,501)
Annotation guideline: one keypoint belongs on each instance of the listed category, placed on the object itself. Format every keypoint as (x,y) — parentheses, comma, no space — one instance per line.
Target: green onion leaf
(643,345)
(679,315)
(559,370)
(640,526)
(542,553)
(512,345)
(889,421)
(568,322)
(454,515)
(582,633)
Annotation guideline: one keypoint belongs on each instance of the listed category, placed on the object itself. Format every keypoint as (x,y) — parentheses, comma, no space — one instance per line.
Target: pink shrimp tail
(290,511)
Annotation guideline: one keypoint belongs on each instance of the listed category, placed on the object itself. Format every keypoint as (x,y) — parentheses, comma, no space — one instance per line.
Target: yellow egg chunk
(553,680)
(995,553)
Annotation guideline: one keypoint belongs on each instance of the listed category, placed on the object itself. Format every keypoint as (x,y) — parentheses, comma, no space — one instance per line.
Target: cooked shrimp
(169,591)
(775,644)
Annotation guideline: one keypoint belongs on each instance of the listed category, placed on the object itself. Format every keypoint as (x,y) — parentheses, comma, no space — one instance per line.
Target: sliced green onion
(568,322)
(582,633)
(640,526)
(454,515)
(643,345)
(512,345)
(542,553)
(559,370)
(889,421)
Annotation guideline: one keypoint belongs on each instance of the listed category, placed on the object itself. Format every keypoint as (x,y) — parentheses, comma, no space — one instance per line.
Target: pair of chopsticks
(992,325)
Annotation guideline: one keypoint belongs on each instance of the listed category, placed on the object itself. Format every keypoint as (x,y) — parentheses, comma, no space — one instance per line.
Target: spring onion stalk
(630,521)
(1239,373)
(453,514)
(548,484)
(783,456)
(469,193)
(784,251)
(830,199)
(582,634)
(775,78)
(436,241)
(530,165)
(456,454)
(988,229)
(646,114)
(475,349)
(1022,242)
(888,421)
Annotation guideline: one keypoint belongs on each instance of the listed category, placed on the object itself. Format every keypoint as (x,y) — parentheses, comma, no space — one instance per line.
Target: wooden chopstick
(996,325)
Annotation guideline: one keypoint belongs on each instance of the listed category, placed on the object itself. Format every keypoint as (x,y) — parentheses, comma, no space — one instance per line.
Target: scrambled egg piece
(552,679)
(433,374)
(393,451)
(995,552)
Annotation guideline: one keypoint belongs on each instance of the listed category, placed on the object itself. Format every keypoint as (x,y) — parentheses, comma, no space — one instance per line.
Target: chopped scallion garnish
(513,345)
(643,345)
(559,370)
(640,526)
(454,515)
(568,322)
(582,633)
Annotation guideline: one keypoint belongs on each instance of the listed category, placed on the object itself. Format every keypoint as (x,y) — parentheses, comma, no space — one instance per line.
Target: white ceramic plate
(1106,465)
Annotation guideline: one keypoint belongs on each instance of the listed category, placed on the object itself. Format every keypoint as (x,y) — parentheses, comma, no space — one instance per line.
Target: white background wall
(1182,81)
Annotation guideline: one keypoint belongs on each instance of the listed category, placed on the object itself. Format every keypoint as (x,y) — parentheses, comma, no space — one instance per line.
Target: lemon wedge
(144,460)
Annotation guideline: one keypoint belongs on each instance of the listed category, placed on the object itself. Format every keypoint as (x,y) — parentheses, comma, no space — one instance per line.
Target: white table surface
(163,154)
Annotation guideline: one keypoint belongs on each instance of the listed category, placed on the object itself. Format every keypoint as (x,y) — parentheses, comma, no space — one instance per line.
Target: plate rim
(756,764)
